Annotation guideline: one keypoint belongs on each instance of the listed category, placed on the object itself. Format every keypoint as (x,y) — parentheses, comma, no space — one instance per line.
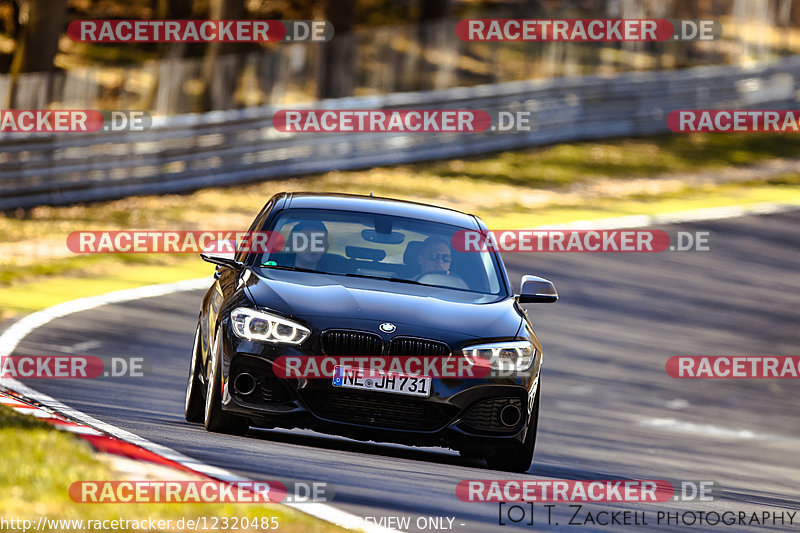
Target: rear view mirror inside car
(394,237)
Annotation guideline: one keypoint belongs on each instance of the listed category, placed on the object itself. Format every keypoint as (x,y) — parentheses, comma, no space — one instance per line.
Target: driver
(435,257)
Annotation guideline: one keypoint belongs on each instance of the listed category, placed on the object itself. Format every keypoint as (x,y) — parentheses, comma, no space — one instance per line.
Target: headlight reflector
(515,355)
(253,325)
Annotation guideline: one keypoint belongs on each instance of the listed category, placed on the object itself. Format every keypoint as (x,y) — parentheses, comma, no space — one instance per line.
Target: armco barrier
(187,152)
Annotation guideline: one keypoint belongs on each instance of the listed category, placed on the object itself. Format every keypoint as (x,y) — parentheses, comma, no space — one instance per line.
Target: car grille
(485,415)
(377,410)
(340,342)
(410,346)
(351,343)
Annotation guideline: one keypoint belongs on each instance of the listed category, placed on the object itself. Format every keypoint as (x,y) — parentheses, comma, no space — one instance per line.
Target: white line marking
(706,430)
(678,403)
(11,338)
(80,347)
(710,430)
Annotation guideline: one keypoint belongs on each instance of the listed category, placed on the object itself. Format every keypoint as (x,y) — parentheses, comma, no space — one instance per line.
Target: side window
(257,224)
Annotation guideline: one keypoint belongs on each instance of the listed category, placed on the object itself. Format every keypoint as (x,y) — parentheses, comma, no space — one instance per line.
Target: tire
(520,457)
(194,405)
(215,419)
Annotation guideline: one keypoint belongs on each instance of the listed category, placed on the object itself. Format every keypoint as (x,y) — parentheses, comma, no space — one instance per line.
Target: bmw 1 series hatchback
(367,320)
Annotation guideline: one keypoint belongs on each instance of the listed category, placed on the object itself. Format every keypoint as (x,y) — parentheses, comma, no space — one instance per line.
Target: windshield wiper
(396,280)
(296,269)
(404,280)
(300,269)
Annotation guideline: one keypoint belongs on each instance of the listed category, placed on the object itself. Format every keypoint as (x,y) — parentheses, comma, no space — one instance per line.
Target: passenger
(434,257)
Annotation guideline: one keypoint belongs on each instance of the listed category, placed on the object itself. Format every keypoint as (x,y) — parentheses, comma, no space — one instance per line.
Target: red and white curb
(102,442)
(46,415)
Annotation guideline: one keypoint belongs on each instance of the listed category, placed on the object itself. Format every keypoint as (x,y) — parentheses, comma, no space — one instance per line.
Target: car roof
(379,205)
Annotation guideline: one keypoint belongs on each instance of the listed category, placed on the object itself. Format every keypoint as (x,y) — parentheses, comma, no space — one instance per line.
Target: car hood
(362,303)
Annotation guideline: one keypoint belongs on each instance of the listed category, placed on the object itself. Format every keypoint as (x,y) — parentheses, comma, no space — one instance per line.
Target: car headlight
(514,356)
(260,326)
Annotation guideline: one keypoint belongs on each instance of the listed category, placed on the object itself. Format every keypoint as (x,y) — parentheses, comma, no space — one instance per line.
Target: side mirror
(534,289)
(222,253)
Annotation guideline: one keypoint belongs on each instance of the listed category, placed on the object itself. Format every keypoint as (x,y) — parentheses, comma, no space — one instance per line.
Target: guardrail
(187,152)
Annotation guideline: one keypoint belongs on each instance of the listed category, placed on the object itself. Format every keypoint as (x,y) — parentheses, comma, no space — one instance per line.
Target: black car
(369,277)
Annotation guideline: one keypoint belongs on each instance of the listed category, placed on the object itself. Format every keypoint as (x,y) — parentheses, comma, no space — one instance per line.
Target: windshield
(397,249)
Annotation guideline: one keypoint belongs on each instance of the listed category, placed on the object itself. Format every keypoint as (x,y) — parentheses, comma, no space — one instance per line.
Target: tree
(220,77)
(433,36)
(432,10)
(172,9)
(338,55)
(40,23)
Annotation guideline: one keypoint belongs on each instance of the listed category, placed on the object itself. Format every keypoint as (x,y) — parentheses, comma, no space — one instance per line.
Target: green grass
(101,276)
(40,463)
(687,200)
(12,272)
(564,164)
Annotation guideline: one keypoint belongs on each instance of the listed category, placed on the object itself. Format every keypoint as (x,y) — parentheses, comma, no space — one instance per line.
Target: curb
(100,441)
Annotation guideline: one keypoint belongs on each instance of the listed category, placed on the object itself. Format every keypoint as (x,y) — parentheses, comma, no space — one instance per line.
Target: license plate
(355,378)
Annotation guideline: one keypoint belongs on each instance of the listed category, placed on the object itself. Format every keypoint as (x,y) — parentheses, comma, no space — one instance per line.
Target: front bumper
(459,412)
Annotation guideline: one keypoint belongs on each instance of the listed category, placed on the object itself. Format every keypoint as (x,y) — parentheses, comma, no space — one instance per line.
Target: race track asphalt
(609,410)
